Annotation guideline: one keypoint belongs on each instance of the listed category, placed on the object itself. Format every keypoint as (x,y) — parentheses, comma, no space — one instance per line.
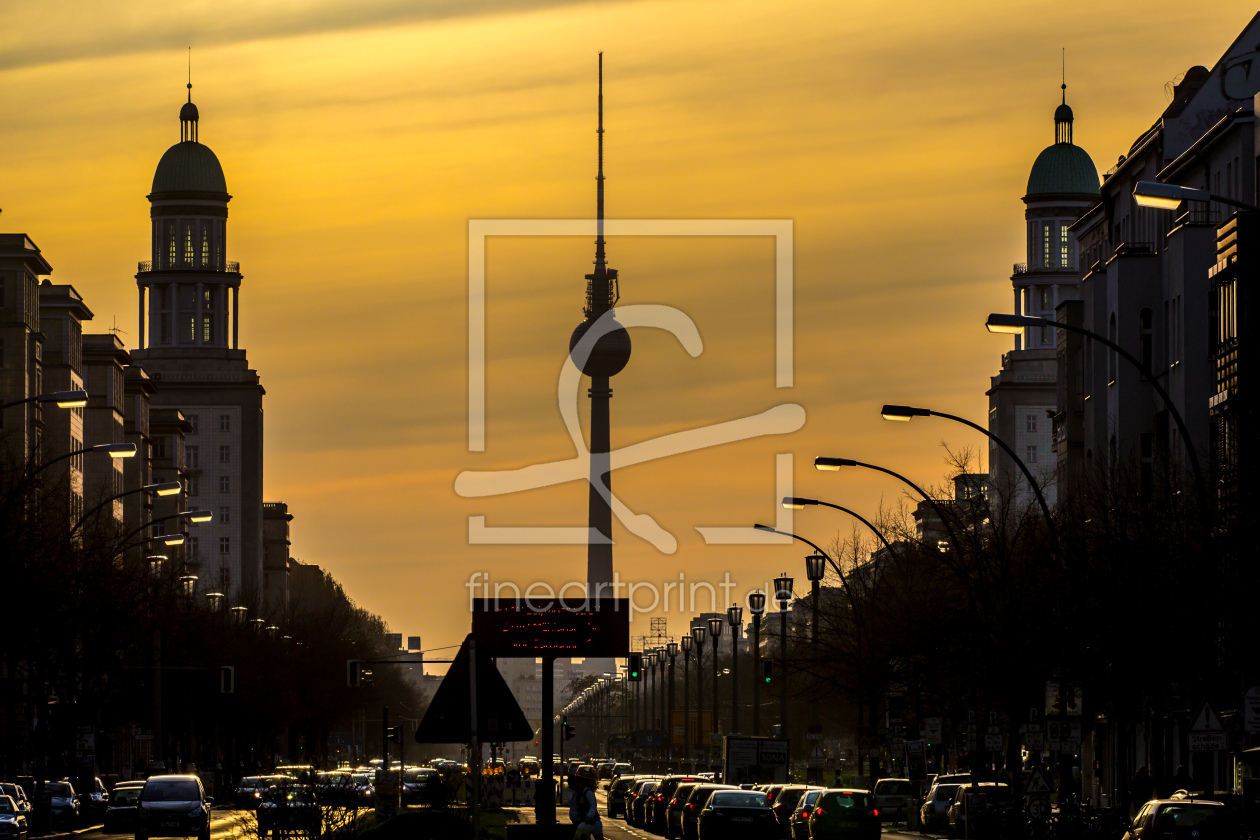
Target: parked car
(734,814)
(800,816)
(934,815)
(93,797)
(19,798)
(658,804)
(13,825)
(892,798)
(844,814)
(61,803)
(783,806)
(696,800)
(642,793)
(674,809)
(1183,819)
(421,786)
(977,804)
(173,806)
(286,809)
(618,789)
(120,813)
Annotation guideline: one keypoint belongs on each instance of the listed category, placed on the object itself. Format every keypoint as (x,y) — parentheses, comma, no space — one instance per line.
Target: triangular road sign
(1038,782)
(449,718)
(816,752)
(1207,720)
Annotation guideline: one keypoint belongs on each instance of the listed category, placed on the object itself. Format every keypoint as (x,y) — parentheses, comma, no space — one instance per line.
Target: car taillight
(805,813)
(673,803)
(874,812)
(818,812)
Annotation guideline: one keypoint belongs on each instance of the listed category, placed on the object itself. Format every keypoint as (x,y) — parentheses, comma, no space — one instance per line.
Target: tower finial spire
(1063,72)
(190,74)
(599,178)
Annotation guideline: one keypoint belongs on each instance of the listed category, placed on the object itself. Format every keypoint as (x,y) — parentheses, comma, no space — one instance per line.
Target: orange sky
(359,139)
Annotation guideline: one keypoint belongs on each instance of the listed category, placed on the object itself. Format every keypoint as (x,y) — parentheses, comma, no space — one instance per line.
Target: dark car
(173,806)
(844,814)
(19,798)
(288,809)
(800,814)
(93,798)
(674,810)
(421,786)
(783,806)
(636,806)
(935,811)
(1184,819)
(976,806)
(13,825)
(60,800)
(618,791)
(696,801)
(735,814)
(120,813)
(892,798)
(658,805)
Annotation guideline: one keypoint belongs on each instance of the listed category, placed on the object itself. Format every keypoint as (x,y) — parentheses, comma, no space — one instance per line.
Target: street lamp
(735,617)
(650,717)
(672,650)
(756,606)
(698,635)
(215,600)
(834,464)
(189,585)
(783,594)
(686,643)
(63,399)
(815,568)
(239,615)
(1169,196)
(272,630)
(168,540)
(904,413)
(799,502)
(998,322)
(155,563)
(715,632)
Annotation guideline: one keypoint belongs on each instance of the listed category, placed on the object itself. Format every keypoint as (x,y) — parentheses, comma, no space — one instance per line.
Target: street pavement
(225,824)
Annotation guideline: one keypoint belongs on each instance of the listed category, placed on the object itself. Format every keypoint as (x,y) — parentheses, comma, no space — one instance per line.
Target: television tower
(607,358)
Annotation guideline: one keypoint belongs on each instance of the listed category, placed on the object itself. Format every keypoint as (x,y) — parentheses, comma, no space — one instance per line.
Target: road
(224,825)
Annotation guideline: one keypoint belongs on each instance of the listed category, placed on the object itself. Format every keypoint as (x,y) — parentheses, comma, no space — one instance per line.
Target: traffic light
(354,672)
(767,671)
(395,734)
(227,679)
(634,667)
(570,732)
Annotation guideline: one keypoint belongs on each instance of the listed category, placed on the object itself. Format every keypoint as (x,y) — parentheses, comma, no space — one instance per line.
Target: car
(604,770)
(976,803)
(421,786)
(93,798)
(622,769)
(61,803)
(658,805)
(19,798)
(637,807)
(844,814)
(934,814)
(1185,818)
(783,806)
(13,824)
(365,788)
(696,800)
(674,809)
(734,814)
(618,789)
(529,767)
(800,815)
(336,787)
(892,798)
(173,806)
(120,813)
(286,809)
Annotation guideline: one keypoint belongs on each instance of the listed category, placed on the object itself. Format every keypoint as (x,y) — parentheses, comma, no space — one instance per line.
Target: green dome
(1063,169)
(191,167)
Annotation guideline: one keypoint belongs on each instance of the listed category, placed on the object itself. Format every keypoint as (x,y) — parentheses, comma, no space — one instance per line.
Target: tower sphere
(610,354)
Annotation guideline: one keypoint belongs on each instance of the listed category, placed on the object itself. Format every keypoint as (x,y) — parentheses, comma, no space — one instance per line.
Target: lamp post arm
(1032,482)
(1232,202)
(953,537)
(151,522)
(1159,389)
(843,580)
(18,402)
(861,519)
(113,498)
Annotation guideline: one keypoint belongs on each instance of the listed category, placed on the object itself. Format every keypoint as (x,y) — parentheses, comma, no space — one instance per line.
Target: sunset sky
(359,138)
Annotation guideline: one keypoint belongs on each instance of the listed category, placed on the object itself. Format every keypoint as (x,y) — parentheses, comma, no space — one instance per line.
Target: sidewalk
(61,834)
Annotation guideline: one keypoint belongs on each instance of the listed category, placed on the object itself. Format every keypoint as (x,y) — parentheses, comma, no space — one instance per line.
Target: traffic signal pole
(545,795)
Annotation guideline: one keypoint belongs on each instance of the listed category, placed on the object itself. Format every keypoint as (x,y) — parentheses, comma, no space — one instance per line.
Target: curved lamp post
(63,399)
(998,322)
(904,413)
(756,606)
(834,464)
(1169,196)
(798,502)
(190,515)
(113,450)
(165,488)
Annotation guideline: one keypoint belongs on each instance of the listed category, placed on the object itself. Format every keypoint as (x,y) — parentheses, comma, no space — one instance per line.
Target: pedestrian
(583,810)
(1181,779)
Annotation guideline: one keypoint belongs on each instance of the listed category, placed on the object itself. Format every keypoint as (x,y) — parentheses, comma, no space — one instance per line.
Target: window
(193,453)
(1030,422)
(194,486)
(225,454)
(192,421)
(188,244)
(1065,248)
(159,447)
(225,422)
(1045,244)
(205,245)
(1030,455)
(193,545)
(225,515)
(225,484)
(207,329)
(225,545)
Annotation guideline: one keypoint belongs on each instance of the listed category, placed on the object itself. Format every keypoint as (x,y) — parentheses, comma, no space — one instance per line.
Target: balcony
(1025,268)
(146,267)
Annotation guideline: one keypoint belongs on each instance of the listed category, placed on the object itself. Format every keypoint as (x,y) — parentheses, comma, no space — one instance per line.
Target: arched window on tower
(1065,247)
(205,244)
(170,244)
(188,244)
(1046,228)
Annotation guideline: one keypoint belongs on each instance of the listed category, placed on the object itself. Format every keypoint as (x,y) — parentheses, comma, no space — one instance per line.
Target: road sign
(814,732)
(993,718)
(993,743)
(914,747)
(1251,710)
(1038,782)
(567,627)
(1208,741)
(1207,720)
(1039,808)
(1035,741)
(448,719)
(816,758)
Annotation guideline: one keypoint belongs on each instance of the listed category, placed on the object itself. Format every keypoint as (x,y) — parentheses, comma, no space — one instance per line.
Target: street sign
(816,758)
(448,719)
(756,760)
(1039,808)
(1035,741)
(993,743)
(1251,710)
(561,627)
(1207,733)
(914,747)
(1207,720)
(1038,782)
(814,732)
(932,728)
(1063,698)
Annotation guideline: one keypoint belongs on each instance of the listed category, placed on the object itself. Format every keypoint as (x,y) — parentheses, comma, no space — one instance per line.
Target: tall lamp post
(756,606)
(815,567)
(715,632)
(651,705)
(783,594)
(698,635)
(672,650)
(686,645)
(735,617)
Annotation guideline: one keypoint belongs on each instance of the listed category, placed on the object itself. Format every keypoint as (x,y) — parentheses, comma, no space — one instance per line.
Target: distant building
(276,560)
(21,344)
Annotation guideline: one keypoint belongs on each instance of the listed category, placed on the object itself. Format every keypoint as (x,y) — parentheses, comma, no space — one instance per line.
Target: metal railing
(1025,268)
(146,267)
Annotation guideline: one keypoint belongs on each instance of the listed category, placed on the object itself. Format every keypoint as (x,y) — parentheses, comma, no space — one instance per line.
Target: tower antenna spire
(1063,72)
(599,178)
(190,74)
